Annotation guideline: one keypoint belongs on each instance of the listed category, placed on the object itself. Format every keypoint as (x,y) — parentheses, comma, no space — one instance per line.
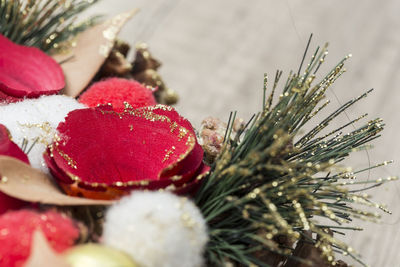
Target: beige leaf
(21,181)
(42,254)
(91,50)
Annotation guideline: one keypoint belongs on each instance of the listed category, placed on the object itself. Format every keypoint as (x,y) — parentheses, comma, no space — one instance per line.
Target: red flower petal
(185,167)
(27,72)
(9,203)
(172,114)
(9,148)
(55,170)
(18,227)
(138,149)
(8,99)
(116,91)
(191,187)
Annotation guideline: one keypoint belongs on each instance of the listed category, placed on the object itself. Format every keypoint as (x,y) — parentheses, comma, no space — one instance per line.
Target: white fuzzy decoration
(36,118)
(158,229)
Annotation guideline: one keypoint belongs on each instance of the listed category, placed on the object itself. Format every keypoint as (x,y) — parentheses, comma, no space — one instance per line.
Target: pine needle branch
(45,24)
(274,181)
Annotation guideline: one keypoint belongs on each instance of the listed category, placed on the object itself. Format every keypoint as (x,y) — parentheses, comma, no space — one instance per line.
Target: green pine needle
(45,24)
(273,181)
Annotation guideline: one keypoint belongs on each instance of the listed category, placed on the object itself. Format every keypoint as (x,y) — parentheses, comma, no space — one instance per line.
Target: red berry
(17,228)
(116,91)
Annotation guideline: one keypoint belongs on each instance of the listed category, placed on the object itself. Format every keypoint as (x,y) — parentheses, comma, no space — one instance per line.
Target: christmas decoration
(157,229)
(27,72)
(17,228)
(117,65)
(32,123)
(9,148)
(117,92)
(103,154)
(43,24)
(144,69)
(212,134)
(9,203)
(269,192)
(272,181)
(94,255)
(42,254)
(90,49)
(23,182)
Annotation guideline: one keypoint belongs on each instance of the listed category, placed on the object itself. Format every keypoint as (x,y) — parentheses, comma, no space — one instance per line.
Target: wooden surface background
(215,54)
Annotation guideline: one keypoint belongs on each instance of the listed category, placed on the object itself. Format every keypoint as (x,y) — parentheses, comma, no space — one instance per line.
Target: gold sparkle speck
(168,153)
(4,179)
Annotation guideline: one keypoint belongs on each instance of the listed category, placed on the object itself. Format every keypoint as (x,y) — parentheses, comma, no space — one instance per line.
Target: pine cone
(144,70)
(116,65)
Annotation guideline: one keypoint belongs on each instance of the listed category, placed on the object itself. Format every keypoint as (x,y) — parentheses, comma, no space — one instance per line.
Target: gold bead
(170,97)
(94,255)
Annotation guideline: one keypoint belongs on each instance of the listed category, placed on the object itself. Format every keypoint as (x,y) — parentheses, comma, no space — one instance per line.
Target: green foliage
(271,181)
(43,23)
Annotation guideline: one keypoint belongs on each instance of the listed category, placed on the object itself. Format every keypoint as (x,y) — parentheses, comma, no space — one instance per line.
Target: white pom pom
(36,118)
(157,229)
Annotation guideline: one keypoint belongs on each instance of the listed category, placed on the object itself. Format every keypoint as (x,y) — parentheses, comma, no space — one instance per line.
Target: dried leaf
(21,181)
(42,254)
(91,50)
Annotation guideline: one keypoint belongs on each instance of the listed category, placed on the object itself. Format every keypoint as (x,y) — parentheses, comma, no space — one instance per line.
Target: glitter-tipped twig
(45,24)
(274,181)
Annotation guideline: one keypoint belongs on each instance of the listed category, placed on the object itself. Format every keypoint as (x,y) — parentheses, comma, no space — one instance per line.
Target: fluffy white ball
(36,118)
(158,229)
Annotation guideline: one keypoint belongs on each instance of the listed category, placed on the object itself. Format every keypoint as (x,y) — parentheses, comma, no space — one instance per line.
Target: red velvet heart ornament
(27,72)
(103,154)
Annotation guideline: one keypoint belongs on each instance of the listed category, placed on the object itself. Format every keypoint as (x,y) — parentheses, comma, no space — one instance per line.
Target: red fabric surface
(116,91)
(100,148)
(17,228)
(9,148)
(27,72)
